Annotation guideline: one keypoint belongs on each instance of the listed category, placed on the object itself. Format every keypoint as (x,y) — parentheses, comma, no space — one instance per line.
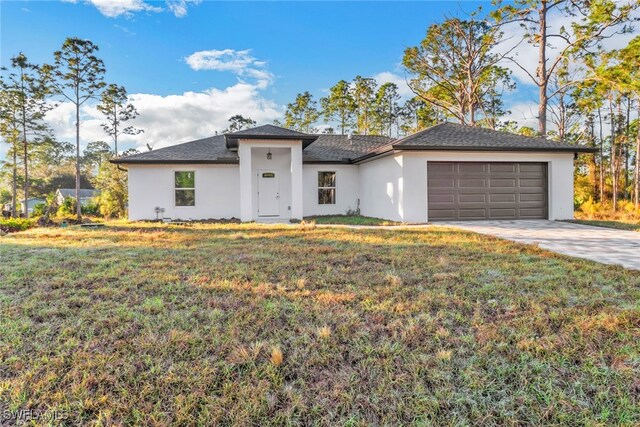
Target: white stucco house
(446,172)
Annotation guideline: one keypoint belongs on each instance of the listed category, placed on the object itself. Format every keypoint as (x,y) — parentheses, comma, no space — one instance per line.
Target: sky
(190,65)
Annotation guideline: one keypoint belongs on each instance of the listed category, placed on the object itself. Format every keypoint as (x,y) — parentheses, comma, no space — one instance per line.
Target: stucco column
(296,182)
(246,210)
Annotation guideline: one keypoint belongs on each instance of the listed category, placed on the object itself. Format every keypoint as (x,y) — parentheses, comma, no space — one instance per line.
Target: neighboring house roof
(33,199)
(345,149)
(453,136)
(84,193)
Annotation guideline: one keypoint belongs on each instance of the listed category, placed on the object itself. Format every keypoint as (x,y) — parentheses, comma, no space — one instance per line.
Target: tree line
(28,92)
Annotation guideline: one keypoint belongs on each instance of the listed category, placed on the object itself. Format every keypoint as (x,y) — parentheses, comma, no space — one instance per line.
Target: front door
(268,193)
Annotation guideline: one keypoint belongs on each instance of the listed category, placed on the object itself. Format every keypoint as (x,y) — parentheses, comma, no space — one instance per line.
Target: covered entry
(486,190)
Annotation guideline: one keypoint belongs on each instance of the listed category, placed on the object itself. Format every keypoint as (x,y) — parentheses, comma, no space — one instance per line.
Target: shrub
(12,225)
(39,209)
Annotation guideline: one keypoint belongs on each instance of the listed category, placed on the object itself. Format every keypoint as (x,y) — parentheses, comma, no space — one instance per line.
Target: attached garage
(487,190)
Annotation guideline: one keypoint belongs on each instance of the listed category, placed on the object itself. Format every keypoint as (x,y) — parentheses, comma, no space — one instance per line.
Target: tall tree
(386,108)
(24,81)
(115,105)
(10,132)
(363,91)
(239,122)
(417,115)
(591,22)
(77,75)
(453,67)
(302,114)
(95,153)
(339,106)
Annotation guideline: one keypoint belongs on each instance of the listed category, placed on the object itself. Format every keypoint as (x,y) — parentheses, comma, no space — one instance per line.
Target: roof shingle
(345,149)
(454,136)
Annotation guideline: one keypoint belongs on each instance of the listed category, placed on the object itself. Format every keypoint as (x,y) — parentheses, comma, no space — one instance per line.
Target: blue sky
(189,65)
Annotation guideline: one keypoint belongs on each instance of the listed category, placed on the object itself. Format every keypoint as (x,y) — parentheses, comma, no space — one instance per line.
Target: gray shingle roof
(453,136)
(339,148)
(84,192)
(206,150)
(268,130)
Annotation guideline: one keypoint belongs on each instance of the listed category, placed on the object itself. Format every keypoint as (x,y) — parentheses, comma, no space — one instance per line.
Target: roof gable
(268,132)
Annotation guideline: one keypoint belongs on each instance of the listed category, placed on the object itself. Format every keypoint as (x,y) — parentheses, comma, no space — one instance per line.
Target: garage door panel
(442,183)
(502,198)
(502,182)
(472,198)
(530,197)
(531,167)
(442,168)
(478,213)
(502,167)
(471,183)
(499,213)
(471,168)
(442,214)
(442,198)
(492,190)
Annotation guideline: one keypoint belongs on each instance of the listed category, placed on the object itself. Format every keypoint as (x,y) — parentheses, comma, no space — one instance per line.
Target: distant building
(85,195)
(31,203)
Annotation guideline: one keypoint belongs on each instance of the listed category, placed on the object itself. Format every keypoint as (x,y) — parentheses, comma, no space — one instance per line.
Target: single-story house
(85,195)
(446,172)
(32,202)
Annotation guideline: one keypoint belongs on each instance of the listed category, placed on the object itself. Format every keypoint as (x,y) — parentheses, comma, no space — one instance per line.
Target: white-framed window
(327,188)
(185,188)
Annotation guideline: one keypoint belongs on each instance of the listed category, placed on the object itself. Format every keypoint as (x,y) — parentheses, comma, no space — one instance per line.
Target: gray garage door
(472,191)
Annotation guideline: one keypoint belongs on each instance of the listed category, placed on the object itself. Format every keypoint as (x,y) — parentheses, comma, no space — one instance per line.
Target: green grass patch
(349,220)
(155,324)
(620,225)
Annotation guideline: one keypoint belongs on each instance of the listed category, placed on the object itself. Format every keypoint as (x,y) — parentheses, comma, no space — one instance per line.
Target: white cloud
(239,62)
(389,77)
(115,8)
(172,119)
(179,7)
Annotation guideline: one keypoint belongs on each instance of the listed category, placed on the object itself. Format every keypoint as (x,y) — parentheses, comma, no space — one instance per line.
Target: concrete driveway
(605,245)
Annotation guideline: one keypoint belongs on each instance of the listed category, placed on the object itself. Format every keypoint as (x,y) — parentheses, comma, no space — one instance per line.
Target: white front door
(268,193)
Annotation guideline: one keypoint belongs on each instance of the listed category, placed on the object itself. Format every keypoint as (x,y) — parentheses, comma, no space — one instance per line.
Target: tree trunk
(78,207)
(14,190)
(614,159)
(25,147)
(601,156)
(542,70)
(637,169)
(115,129)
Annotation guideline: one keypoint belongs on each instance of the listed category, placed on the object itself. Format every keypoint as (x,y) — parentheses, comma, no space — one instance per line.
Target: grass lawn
(349,220)
(148,324)
(621,225)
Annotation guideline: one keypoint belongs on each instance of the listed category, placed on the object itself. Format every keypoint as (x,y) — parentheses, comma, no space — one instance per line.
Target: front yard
(144,324)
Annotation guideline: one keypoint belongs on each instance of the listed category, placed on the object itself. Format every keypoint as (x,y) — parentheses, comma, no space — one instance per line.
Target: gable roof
(345,149)
(268,132)
(453,136)
(84,192)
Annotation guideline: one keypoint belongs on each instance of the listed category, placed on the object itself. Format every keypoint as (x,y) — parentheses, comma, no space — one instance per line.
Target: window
(326,188)
(185,188)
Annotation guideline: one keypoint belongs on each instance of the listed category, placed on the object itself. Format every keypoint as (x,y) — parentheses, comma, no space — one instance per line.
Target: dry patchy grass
(146,324)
